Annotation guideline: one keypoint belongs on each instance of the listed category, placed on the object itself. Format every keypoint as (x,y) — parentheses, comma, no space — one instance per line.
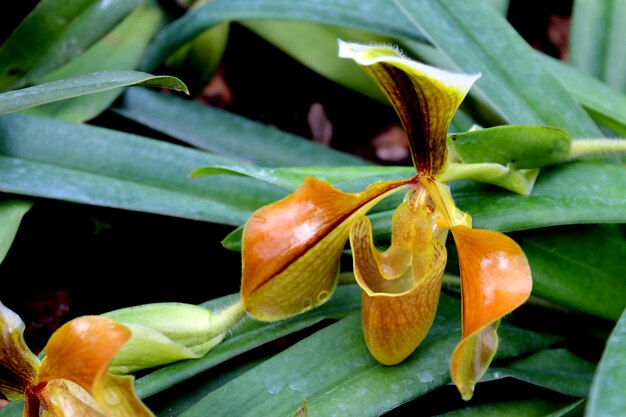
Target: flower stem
(225,319)
(586,148)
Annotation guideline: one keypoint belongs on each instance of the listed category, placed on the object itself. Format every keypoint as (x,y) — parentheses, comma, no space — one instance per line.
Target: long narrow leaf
(120,49)
(80,85)
(479,39)
(226,133)
(54,159)
(596,44)
(606,398)
(334,364)
(11,213)
(55,32)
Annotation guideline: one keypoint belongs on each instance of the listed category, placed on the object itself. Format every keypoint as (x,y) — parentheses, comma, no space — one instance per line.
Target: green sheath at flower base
(168,332)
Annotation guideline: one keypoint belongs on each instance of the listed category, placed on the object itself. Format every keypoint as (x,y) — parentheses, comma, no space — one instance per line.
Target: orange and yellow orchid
(291,248)
(72,379)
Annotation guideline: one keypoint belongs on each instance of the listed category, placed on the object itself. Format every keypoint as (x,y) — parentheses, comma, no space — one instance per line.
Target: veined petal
(81,351)
(495,280)
(401,286)
(63,398)
(18,365)
(424,97)
(291,248)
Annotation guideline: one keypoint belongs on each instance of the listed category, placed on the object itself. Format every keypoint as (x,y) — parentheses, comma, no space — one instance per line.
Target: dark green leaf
(54,159)
(478,39)
(580,267)
(55,32)
(11,213)
(521,408)
(80,85)
(557,369)
(606,398)
(226,133)
(334,364)
(596,43)
(120,49)
(377,16)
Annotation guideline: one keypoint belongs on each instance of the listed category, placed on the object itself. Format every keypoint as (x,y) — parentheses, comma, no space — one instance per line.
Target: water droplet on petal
(323,296)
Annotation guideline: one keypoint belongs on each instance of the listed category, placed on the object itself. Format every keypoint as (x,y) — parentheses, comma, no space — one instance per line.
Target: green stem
(225,319)
(586,148)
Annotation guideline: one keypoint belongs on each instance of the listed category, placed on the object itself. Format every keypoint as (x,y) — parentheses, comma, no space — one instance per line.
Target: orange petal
(120,399)
(291,248)
(400,298)
(18,365)
(495,280)
(81,350)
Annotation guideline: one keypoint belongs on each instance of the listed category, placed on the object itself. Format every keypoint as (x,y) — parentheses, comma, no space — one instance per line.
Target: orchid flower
(72,379)
(291,248)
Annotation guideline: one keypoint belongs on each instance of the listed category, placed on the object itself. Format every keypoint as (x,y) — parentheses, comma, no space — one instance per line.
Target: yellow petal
(18,365)
(291,248)
(81,350)
(495,280)
(401,286)
(62,398)
(424,97)
(120,399)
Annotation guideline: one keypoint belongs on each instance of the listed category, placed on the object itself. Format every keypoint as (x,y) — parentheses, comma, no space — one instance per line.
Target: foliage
(71,71)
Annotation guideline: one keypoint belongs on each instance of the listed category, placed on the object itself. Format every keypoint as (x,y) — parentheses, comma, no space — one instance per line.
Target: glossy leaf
(314,45)
(535,407)
(605,104)
(54,159)
(11,213)
(248,334)
(291,248)
(555,369)
(376,16)
(225,133)
(568,272)
(55,32)
(279,385)
(606,395)
(120,49)
(517,146)
(25,98)
(476,38)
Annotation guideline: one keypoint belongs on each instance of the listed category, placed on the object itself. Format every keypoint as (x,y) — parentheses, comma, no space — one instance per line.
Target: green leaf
(555,369)
(596,43)
(535,407)
(606,397)
(246,335)
(334,364)
(580,267)
(226,133)
(96,82)
(315,46)
(579,192)
(120,49)
(90,165)
(476,38)
(516,146)
(55,32)
(11,213)
(604,103)
(376,16)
